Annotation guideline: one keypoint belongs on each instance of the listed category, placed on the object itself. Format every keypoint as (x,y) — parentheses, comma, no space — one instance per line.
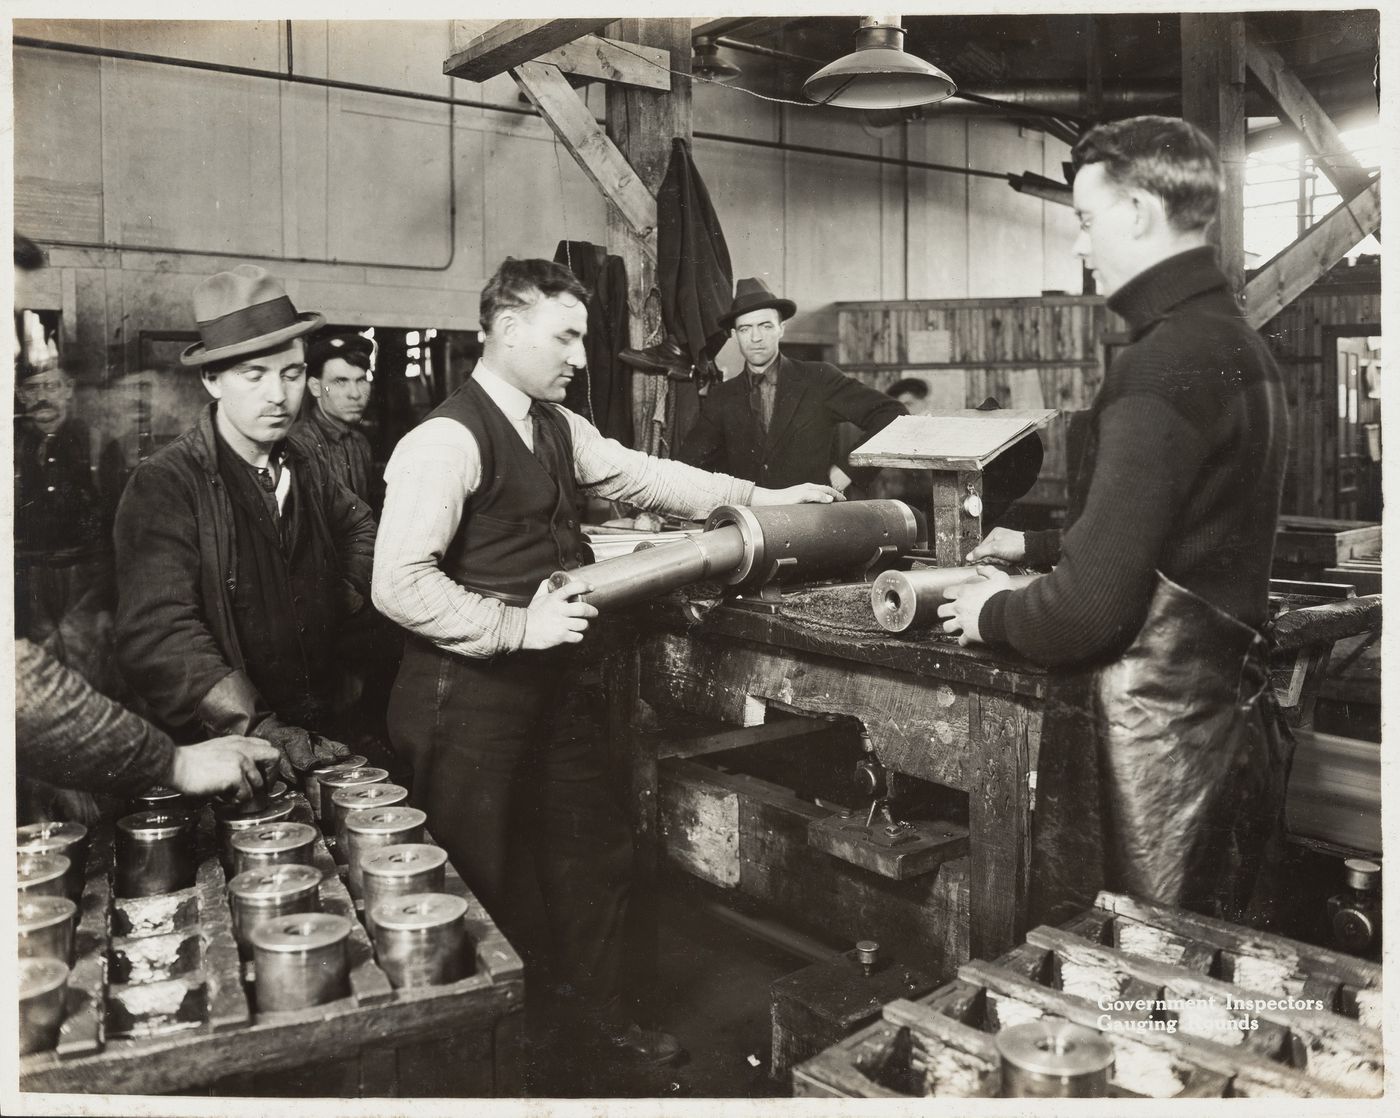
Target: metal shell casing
(273,844)
(268,894)
(783,543)
(420,939)
(41,875)
(395,871)
(231,824)
(346,800)
(370,829)
(301,961)
(1054,1059)
(311,780)
(47,928)
(654,569)
(43,985)
(66,838)
(904,600)
(155,853)
(331,782)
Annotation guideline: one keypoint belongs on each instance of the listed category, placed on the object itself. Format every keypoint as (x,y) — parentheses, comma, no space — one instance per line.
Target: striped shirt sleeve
(607,469)
(433,471)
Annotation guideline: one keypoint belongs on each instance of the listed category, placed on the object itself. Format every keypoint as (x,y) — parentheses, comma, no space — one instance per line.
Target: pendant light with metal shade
(708,64)
(878,74)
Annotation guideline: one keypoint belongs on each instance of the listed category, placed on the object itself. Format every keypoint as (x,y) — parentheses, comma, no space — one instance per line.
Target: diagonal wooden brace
(590,146)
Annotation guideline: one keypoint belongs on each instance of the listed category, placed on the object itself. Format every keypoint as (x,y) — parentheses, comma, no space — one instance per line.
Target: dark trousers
(516,791)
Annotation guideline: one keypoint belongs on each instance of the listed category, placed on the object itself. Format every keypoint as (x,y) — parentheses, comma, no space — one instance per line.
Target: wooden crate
(376,1042)
(1318,543)
(1309,1026)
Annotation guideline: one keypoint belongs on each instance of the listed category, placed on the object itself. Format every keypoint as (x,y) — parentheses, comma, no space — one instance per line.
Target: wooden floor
(712,993)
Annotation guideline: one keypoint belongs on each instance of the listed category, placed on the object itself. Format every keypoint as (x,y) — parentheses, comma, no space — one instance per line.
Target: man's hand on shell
(553,618)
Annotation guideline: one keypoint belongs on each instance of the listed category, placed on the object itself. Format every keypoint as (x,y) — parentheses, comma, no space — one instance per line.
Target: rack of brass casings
(754,548)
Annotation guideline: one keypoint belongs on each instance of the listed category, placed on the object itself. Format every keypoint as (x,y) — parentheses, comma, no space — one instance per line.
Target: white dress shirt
(434,471)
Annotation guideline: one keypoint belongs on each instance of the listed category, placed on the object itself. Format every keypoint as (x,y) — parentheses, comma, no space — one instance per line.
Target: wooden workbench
(968,719)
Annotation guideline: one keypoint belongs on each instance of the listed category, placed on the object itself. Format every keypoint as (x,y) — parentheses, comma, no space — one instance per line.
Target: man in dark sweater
(1160,583)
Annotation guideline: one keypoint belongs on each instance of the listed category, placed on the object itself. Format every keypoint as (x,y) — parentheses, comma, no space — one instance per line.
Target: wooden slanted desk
(966,718)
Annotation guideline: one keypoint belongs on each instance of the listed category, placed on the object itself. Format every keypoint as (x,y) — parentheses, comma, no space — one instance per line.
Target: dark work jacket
(56,506)
(693,270)
(813,398)
(604,396)
(344,450)
(521,524)
(177,574)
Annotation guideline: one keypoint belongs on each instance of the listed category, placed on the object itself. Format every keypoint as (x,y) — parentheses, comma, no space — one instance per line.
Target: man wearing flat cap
(775,423)
(239,558)
(338,369)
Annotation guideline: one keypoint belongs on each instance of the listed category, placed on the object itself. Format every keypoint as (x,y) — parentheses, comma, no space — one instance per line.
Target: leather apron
(1166,769)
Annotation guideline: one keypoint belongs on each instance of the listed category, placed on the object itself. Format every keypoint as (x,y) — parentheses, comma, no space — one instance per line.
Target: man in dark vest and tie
(480,510)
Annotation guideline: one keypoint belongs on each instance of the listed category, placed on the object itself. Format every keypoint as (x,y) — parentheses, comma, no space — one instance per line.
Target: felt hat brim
(786,308)
(307,322)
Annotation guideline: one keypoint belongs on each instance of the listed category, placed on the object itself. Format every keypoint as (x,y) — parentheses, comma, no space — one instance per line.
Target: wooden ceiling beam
(610,61)
(565,113)
(1299,107)
(741,24)
(1312,255)
(479,56)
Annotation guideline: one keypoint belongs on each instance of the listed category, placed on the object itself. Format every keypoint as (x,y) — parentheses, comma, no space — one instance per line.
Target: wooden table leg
(999,819)
(633,757)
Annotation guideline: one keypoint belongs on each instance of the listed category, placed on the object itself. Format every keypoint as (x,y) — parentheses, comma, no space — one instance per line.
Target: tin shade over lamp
(707,63)
(878,74)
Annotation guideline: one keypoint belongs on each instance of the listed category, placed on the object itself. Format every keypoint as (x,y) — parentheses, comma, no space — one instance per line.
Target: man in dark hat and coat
(338,368)
(775,423)
(239,557)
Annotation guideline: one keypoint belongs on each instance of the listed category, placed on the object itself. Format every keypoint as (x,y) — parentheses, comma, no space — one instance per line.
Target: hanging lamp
(707,63)
(879,74)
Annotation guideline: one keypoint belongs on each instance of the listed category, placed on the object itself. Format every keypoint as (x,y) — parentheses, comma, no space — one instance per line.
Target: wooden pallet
(1193,1007)
(372,1042)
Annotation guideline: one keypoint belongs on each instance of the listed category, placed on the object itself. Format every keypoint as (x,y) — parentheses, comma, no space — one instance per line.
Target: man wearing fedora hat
(239,557)
(776,422)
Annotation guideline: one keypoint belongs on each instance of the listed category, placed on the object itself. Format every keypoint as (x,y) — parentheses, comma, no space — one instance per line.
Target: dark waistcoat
(521,524)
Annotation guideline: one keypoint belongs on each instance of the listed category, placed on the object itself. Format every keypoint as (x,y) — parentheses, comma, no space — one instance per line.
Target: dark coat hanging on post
(604,397)
(692,268)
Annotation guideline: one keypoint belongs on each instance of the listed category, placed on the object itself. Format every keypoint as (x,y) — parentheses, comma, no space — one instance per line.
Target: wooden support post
(1212,98)
(643,123)
(1311,256)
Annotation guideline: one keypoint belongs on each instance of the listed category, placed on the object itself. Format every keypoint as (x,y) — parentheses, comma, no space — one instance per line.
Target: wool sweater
(1182,473)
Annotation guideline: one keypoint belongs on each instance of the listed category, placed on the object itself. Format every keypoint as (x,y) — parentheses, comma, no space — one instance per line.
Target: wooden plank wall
(1049,352)
(1042,352)
(1297,339)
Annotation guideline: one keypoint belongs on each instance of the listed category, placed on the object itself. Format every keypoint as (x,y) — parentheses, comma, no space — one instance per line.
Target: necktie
(543,443)
(756,400)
